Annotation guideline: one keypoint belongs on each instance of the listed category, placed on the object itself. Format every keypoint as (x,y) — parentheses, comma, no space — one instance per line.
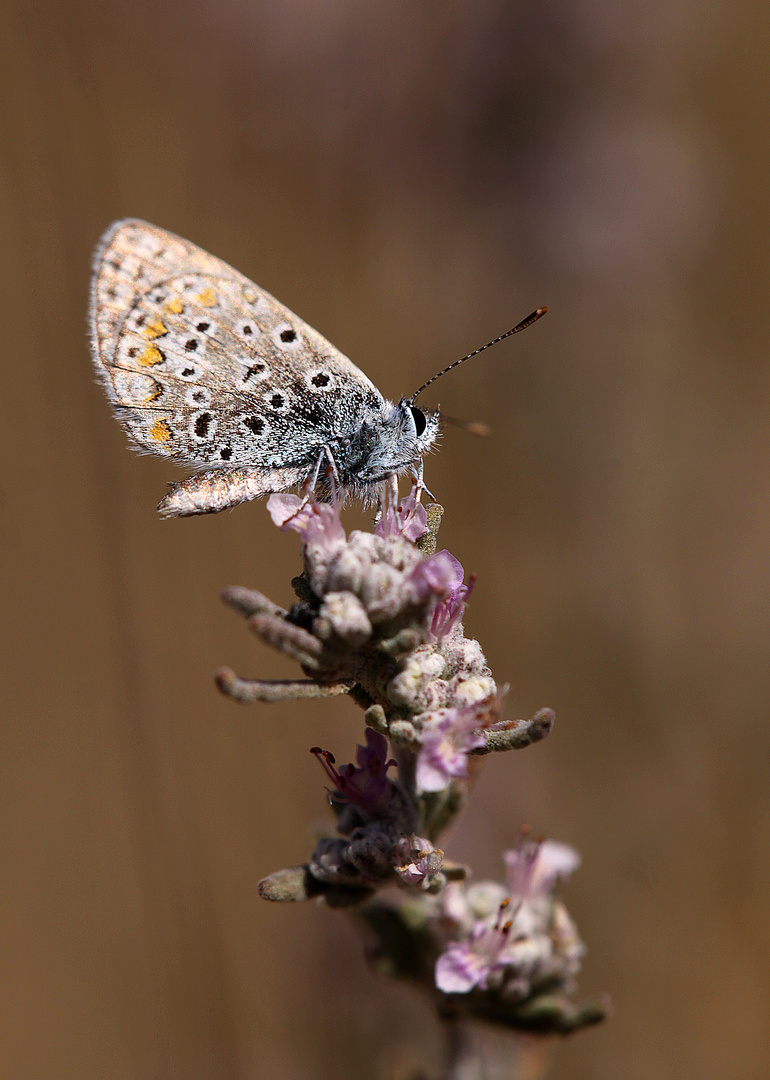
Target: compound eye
(418,416)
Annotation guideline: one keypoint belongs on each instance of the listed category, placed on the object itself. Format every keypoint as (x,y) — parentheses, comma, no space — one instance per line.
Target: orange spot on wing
(174,307)
(160,431)
(151,355)
(207,298)
(154,328)
(156,392)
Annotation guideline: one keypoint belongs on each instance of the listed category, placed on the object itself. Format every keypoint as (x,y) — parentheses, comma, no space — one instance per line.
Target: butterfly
(204,367)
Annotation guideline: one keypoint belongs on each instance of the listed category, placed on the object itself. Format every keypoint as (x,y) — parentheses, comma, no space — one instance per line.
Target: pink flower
(442,575)
(317,523)
(436,576)
(448,739)
(467,964)
(535,944)
(445,745)
(535,866)
(450,610)
(417,861)
(408,519)
(364,784)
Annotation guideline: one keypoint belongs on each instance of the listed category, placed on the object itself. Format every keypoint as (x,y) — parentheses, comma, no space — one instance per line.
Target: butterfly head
(421,425)
(391,440)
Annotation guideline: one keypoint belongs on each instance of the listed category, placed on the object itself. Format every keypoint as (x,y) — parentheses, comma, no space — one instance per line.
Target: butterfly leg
(419,483)
(417,471)
(312,479)
(392,489)
(332,473)
(387,493)
(311,482)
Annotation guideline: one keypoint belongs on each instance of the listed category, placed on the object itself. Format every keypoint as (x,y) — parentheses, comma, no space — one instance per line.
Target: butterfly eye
(418,416)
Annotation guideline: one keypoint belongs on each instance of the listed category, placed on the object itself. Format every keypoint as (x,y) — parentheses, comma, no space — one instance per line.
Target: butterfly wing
(204,367)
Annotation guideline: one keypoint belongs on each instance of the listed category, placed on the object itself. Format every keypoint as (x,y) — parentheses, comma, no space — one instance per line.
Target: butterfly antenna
(519,326)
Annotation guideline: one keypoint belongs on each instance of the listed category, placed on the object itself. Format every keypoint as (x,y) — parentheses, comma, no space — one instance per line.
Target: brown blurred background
(411,178)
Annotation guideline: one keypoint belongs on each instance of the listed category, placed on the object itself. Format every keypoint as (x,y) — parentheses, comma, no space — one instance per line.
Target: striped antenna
(519,326)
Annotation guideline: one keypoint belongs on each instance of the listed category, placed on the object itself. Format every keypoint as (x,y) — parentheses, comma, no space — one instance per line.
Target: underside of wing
(206,368)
